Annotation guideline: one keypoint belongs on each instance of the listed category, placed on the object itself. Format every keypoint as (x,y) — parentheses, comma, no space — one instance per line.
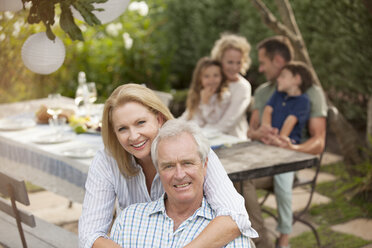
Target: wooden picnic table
(253,159)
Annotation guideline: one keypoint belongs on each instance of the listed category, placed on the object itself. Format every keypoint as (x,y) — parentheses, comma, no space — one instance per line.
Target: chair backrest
(165,97)
(16,190)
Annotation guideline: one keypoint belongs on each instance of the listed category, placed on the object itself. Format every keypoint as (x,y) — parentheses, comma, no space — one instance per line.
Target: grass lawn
(341,209)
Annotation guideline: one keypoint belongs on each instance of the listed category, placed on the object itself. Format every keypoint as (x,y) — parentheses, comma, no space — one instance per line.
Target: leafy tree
(337,34)
(16,81)
(194,26)
(103,55)
(108,62)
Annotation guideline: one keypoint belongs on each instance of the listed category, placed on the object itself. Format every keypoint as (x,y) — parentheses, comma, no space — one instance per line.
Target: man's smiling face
(181,170)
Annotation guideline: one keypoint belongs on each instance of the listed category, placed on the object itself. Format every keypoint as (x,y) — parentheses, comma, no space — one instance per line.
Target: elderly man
(179,153)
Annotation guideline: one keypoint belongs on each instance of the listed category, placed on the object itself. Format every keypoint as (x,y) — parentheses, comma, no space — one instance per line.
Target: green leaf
(49,32)
(68,24)
(85,9)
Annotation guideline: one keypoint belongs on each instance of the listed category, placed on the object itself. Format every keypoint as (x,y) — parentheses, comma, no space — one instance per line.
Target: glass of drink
(92,92)
(54,105)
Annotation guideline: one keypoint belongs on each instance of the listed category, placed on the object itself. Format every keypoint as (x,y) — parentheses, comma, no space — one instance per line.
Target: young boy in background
(288,110)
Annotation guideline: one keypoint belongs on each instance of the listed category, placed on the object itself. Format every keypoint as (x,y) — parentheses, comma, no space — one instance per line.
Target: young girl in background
(208,96)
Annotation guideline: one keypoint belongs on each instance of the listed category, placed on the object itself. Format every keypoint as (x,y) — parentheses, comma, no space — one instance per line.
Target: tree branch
(287,16)
(290,30)
(273,23)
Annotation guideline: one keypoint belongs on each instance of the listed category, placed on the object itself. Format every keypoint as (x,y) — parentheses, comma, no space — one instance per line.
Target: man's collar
(204,211)
(159,205)
(273,82)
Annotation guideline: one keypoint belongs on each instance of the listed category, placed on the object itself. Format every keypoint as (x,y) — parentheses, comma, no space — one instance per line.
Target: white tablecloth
(44,164)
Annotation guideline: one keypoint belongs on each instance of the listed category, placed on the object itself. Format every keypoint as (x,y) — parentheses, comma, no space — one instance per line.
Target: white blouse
(234,120)
(210,112)
(105,184)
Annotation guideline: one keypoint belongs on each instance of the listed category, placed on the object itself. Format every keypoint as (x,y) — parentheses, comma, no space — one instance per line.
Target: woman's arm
(98,205)
(240,99)
(229,206)
(102,242)
(215,236)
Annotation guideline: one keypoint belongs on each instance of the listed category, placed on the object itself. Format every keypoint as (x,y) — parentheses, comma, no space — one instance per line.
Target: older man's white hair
(174,128)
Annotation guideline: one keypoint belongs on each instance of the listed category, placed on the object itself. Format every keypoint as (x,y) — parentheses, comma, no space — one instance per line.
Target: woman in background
(232,51)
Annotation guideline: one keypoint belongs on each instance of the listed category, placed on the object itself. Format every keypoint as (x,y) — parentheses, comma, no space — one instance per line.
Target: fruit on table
(42,115)
(80,129)
(79,123)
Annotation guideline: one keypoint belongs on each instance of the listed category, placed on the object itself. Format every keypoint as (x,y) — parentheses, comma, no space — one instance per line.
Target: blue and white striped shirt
(147,225)
(105,185)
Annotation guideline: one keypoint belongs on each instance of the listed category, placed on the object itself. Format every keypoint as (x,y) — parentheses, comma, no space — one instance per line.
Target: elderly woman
(233,53)
(123,172)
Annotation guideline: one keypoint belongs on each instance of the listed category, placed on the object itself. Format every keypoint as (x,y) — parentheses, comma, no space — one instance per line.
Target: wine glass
(92,97)
(54,105)
(92,92)
(54,109)
(80,97)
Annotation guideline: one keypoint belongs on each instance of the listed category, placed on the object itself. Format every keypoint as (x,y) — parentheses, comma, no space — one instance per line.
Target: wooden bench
(35,232)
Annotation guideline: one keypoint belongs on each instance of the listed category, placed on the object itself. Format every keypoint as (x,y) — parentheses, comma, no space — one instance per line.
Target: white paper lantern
(112,10)
(42,55)
(11,5)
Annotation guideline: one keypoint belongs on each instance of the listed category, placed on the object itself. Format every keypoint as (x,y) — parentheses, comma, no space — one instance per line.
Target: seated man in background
(273,54)
(179,153)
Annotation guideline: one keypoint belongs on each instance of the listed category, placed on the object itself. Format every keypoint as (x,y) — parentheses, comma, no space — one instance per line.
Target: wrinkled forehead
(181,145)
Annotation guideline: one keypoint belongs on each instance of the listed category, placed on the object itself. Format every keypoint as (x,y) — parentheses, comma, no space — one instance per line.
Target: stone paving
(361,228)
(53,208)
(56,209)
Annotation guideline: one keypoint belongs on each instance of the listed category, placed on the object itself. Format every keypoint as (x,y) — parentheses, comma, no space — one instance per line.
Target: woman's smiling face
(136,127)
(231,64)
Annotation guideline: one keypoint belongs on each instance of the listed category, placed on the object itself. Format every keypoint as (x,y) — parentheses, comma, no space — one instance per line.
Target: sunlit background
(157,43)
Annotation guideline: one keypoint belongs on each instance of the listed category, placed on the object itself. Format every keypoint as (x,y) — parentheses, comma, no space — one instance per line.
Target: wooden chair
(38,233)
(16,191)
(298,216)
(311,183)
(165,97)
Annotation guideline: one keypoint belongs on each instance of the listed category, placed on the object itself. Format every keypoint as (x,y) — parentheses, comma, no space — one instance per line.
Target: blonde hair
(193,96)
(121,95)
(233,41)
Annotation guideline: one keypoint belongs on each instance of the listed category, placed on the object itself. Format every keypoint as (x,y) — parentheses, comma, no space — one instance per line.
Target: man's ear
(279,61)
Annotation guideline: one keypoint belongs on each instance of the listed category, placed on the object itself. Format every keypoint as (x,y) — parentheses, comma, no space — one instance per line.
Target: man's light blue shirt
(147,225)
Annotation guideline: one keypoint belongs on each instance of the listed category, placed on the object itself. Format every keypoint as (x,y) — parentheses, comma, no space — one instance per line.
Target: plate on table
(16,124)
(210,133)
(83,152)
(53,138)
(93,131)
